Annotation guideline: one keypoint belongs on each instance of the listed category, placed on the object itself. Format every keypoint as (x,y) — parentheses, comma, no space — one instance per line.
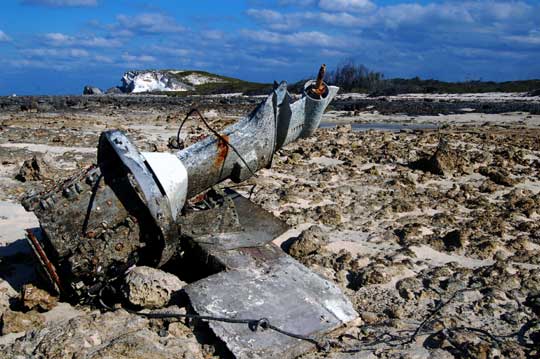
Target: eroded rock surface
(310,241)
(16,322)
(110,335)
(37,168)
(398,240)
(150,287)
(36,298)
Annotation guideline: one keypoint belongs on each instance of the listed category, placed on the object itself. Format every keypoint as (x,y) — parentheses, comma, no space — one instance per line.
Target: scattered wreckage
(159,209)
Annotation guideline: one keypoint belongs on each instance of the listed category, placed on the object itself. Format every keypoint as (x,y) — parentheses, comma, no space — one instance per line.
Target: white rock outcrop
(165,80)
(151,81)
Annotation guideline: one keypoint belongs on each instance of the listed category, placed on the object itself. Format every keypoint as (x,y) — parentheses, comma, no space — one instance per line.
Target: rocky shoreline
(432,234)
(416,106)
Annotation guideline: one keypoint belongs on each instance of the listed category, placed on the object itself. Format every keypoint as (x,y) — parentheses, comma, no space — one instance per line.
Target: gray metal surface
(259,280)
(252,227)
(291,296)
(115,151)
(86,235)
(275,123)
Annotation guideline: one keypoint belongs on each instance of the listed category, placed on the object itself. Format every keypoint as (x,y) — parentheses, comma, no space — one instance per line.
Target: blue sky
(58,46)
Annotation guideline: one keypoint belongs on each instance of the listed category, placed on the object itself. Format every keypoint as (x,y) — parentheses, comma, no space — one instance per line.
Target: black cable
(217,134)
(253,324)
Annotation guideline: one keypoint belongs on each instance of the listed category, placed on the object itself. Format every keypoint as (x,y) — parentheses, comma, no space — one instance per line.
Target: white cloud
(103,59)
(213,34)
(482,54)
(347,5)
(172,51)
(96,41)
(59,39)
(342,19)
(288,21)
(296,2)
(61,3)
(149,23)
(300,39)
(533,38)
(138,58)
(500,10)
(344,13)
(25,63)
(4,37)
(265,15)
(60,53)
(415,14)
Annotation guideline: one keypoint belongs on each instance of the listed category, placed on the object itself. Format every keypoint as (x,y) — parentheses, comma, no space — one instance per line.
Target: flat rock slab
(291,296)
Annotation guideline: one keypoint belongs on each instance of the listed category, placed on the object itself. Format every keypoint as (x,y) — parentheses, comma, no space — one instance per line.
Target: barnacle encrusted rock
(111,335)
(310,241)
(150,288)
(36,298)
(443,162)
(16,322)
(37,168)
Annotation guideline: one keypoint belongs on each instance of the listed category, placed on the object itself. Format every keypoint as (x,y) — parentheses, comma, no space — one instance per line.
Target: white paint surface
(172,175)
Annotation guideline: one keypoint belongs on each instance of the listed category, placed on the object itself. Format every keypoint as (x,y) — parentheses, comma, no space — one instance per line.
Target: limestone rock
(92,90)
(329,215)
(4,301)
(310,241)
(533,302)
(110,335)
(443,162)
(409,288)
(36,298)
(35,169)
(173,143)
(16,322)
(150,288)
(114,91)
(372,274)
(498,175)
(148,81)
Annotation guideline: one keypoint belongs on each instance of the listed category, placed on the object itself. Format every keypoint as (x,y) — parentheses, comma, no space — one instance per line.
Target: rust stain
(261,253)
(222,151)
(51,270)
(319,85)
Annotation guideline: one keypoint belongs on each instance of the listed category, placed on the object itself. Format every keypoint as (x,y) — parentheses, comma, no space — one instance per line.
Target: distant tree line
(351,76)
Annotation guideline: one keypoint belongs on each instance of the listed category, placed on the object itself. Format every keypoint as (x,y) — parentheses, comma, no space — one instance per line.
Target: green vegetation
(417,85)
(352,77)
(228,85)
